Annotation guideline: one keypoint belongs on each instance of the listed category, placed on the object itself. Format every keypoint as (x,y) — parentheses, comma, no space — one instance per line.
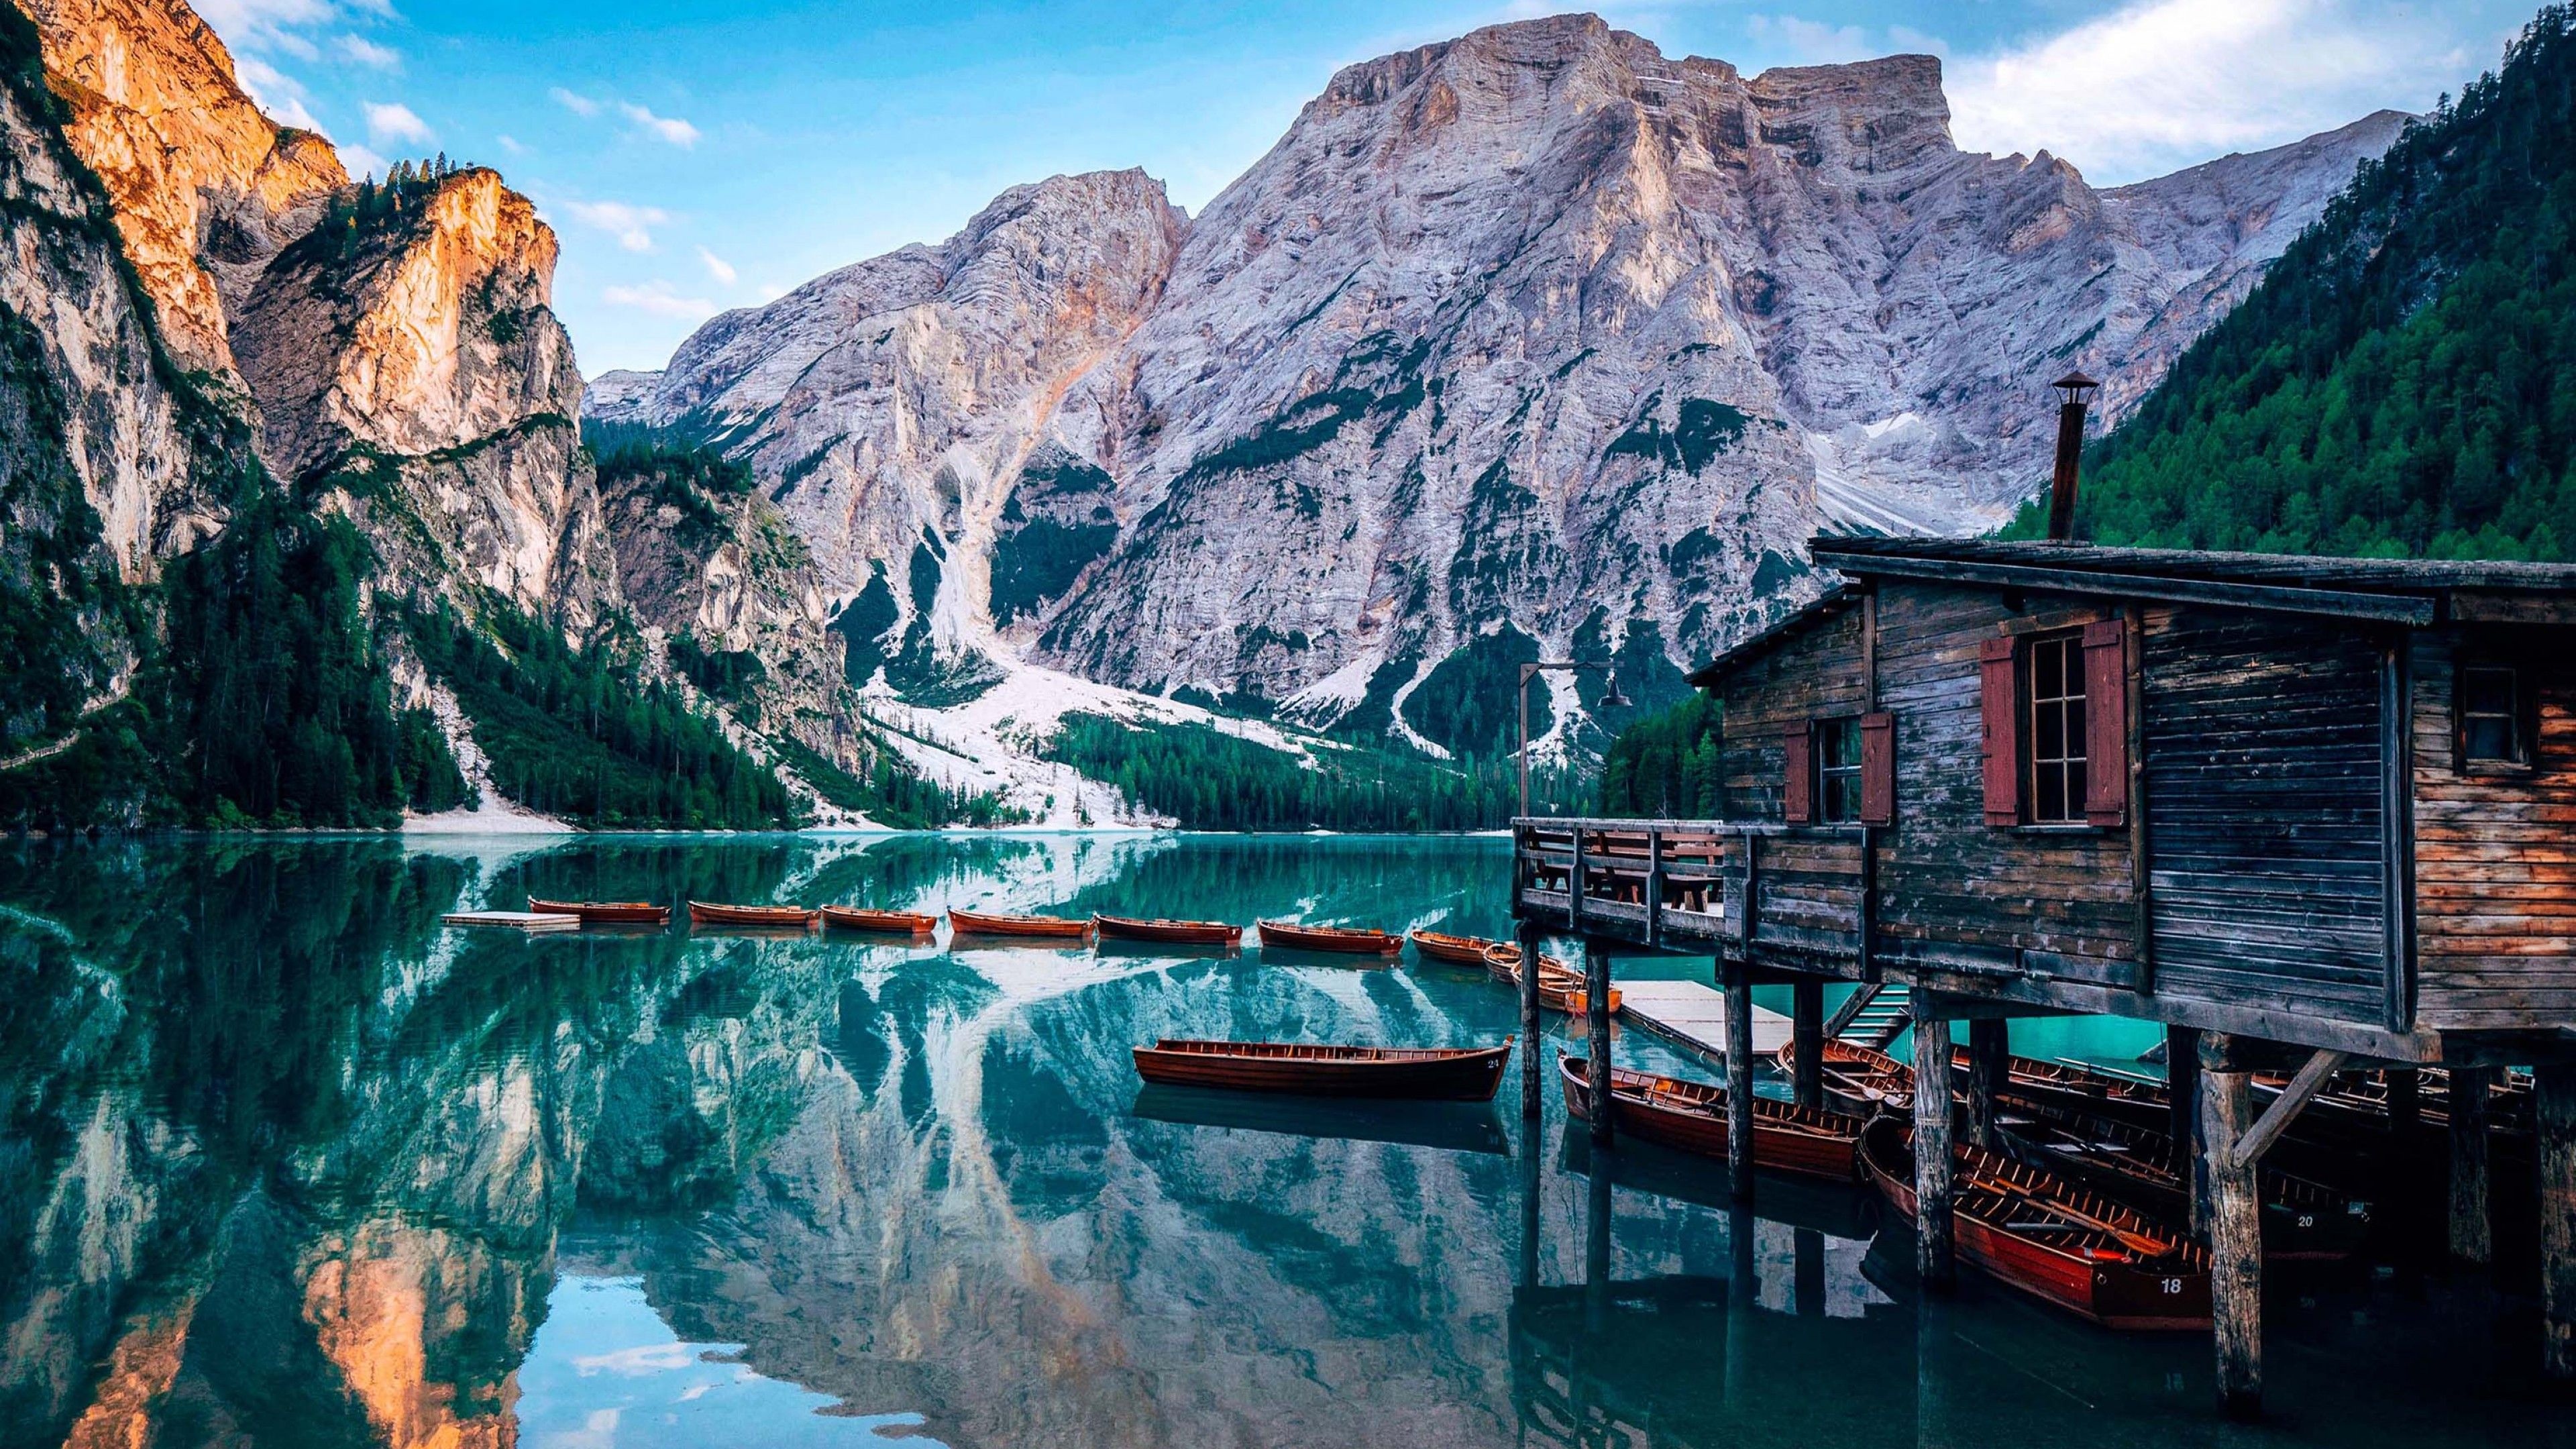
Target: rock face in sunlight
(419,351)
(1535,334)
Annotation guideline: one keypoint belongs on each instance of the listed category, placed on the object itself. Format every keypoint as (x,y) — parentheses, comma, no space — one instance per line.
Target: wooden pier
(1693,1017)
(2317,817)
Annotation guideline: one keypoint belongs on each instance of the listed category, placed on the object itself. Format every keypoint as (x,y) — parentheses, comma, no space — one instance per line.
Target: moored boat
(980,923)
(1560,986)
(1453,950)
(1691,1117)
(775,918)
(897,923)
(2039,1234)
(1167,932)
(1346,940)
(2300,1219)
(1857,1079)
(1443,1074)
(605,913)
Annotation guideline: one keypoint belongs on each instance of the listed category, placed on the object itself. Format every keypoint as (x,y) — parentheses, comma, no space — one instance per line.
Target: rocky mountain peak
(206,188)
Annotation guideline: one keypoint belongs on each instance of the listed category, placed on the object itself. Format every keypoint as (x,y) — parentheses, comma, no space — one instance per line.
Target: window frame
(1830,775)
(2074,739)
(2522,716)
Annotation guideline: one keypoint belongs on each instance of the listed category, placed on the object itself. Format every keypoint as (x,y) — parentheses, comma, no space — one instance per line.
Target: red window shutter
(1878,769)
(2106,722)
(1798,790)
(2000,698)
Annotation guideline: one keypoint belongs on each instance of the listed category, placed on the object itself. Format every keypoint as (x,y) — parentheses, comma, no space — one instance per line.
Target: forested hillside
(2403,380)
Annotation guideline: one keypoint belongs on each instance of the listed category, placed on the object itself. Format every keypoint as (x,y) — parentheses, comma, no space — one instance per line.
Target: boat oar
(2148,1247)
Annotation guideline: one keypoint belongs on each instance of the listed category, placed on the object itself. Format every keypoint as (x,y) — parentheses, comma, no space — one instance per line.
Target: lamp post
(1611,698)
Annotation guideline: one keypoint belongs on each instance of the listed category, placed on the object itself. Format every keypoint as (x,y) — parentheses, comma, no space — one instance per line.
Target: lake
(288,1162)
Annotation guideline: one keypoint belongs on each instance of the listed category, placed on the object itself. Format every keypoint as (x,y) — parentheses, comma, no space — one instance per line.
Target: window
(1838,783)
(2492,729)
(2055,710)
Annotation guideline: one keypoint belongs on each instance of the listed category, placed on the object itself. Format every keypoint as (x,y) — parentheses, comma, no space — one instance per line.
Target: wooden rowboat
(858,918)
(2301,1219)
(1691,1117)
(1172,933)
(1348,941)
(779,918)
(1442,1074)
(1858,1079)
(1453,950)
(1560,986)
(605,913)
(1055,928)
(2039,1234)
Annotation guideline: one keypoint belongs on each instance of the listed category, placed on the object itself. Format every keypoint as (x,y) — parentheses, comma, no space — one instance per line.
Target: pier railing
(1724,887)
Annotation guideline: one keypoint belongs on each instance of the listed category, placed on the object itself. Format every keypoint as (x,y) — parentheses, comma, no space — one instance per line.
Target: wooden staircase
(1874,1016)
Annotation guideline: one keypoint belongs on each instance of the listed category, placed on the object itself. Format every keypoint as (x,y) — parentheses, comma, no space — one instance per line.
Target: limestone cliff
(1536,338)
(206,188)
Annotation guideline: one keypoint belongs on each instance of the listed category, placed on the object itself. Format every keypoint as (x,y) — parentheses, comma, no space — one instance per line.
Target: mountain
(2405,382)
(1532,342)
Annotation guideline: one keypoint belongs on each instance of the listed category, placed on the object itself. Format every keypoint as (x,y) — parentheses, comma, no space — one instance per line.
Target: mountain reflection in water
(286,1162)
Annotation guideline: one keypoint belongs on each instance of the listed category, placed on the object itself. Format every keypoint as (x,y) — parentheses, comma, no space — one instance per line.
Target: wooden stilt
(2405,1103)
(2235,1230)
(2182,1092)
(1529,1205)
(1533,1069)
(1739,1079)
(1989,1061)
(2554,1091)
(1596,1028)
(1935,1259)
(1807,1040)
(2472,1226)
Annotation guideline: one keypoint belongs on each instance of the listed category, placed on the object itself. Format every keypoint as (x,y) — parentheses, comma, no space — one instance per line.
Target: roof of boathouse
(2415,592)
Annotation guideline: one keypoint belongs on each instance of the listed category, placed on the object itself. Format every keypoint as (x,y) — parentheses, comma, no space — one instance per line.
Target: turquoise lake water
(288,1162)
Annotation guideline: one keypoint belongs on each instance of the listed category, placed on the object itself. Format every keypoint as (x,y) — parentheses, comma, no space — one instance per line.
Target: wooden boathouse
(2313,815)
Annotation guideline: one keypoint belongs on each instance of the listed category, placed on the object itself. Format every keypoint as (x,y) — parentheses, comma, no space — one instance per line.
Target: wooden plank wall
(1958,893)
(2263,780)
(1816,675)
(2495,855)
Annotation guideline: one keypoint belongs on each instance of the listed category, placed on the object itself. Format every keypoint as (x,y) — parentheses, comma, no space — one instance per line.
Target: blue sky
(699,156)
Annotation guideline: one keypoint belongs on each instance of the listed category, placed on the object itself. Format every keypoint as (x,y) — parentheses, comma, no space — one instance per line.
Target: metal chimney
(2077,391)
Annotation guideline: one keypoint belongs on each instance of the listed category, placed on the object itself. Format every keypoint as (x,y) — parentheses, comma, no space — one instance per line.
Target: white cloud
(274,92)
(389,123)
(510,144)
(363,161)
(666,128)
(631,225)
(2167,83)
(367,53)
(659,298)
(769,291)
(717,267)
(1812,41)
(573,101)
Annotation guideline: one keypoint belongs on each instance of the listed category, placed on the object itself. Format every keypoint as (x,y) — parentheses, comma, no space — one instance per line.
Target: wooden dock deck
(1694,1016)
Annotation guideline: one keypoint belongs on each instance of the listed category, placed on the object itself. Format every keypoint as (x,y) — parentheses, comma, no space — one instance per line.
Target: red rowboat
(790,918)
(1174,933)
(2301,1219)
(1858,1079)
(1560,986)
(603,913)
(2041,1235)
(1443,1074)
(857,918)
(1346,940)
(1051,927)
(1453,950)
(1691,1116)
